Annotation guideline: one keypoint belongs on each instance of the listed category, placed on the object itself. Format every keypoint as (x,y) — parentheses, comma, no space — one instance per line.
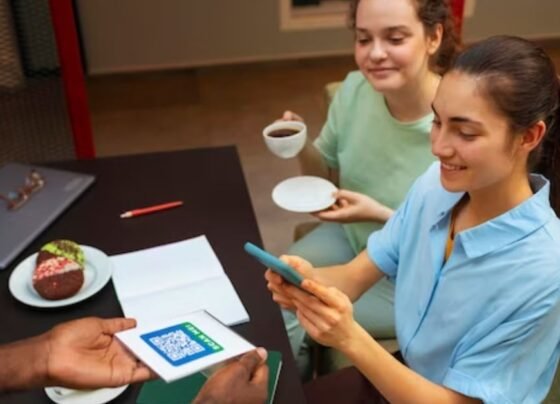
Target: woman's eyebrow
(389,30)
(459,119)
(464,119)
(396,28)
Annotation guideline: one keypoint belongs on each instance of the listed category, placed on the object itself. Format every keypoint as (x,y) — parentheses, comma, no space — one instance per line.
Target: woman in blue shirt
(473,250)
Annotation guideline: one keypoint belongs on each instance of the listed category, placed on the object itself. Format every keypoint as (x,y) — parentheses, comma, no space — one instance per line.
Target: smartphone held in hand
(275,264)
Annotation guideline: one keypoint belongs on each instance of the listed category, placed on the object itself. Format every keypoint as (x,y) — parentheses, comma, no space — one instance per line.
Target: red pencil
(151,209)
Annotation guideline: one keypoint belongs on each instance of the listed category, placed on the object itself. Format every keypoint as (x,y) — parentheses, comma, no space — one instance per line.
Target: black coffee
(283,132)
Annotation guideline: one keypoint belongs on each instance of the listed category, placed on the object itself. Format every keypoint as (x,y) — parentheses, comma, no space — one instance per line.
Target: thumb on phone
(302,266)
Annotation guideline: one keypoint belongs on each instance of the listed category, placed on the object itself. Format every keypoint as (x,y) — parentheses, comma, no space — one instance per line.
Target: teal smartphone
(274,263)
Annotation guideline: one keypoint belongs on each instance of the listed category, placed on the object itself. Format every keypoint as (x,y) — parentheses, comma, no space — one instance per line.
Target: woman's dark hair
(521,81)
(430,13)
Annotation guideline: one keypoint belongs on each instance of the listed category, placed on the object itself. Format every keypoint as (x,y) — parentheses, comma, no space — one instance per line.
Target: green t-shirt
(374,153)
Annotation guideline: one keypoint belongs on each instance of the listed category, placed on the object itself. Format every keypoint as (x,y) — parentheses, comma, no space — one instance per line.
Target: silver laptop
(31,198)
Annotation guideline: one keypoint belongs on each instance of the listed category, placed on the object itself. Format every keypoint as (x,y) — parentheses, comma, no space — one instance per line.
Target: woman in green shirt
(375,142)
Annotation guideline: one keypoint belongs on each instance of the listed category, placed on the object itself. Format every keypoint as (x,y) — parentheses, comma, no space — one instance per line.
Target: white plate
(97,272)
(304,194)
(69,396)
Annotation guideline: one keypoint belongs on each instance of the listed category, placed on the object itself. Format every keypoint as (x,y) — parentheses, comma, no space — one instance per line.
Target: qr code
(181,343)
(177,345)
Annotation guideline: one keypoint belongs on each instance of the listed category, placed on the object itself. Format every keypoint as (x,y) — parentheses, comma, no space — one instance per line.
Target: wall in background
(135,35)
(129,35)
(535,19)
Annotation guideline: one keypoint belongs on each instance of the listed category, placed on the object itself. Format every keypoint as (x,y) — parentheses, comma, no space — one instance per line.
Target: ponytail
(549,163)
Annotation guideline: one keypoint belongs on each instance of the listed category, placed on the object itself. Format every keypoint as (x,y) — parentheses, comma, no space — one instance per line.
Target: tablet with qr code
(185,345)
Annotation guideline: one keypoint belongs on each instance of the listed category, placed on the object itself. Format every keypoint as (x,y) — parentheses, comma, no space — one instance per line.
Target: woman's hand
(326,314)
(351,207)
(290,116)
(282,290)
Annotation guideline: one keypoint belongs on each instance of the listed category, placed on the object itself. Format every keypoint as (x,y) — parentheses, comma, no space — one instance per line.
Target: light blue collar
(507,228)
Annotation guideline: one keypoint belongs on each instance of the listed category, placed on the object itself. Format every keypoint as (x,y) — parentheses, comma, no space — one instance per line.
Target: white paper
(175,279)
(170,348)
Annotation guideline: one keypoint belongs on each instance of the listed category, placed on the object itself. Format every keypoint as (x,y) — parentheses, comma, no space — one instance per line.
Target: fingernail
(262,353)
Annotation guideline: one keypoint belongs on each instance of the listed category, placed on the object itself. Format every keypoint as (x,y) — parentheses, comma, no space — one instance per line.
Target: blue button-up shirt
(486,322)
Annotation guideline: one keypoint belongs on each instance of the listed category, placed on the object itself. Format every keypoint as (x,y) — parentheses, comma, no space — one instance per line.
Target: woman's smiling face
(470,137)
(392,48)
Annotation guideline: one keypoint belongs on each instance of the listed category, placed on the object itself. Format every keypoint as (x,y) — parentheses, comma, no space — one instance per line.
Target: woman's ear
(434,39)
(533,136)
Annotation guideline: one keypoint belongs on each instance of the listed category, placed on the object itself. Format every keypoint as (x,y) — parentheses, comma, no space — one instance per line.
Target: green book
(184,390)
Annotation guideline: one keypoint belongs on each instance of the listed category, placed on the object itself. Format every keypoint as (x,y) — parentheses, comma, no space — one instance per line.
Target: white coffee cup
(289,145)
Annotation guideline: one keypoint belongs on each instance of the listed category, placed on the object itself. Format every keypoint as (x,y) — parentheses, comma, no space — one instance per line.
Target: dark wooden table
(217,204)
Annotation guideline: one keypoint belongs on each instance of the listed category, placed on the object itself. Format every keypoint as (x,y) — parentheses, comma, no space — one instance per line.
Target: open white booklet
(173,280)
(179,347)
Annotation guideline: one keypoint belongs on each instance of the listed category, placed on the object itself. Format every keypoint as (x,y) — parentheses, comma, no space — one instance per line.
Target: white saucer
(97,272)
(304,194)
(70,396)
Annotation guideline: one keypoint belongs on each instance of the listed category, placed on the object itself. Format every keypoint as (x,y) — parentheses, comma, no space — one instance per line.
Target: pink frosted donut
(58,278)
